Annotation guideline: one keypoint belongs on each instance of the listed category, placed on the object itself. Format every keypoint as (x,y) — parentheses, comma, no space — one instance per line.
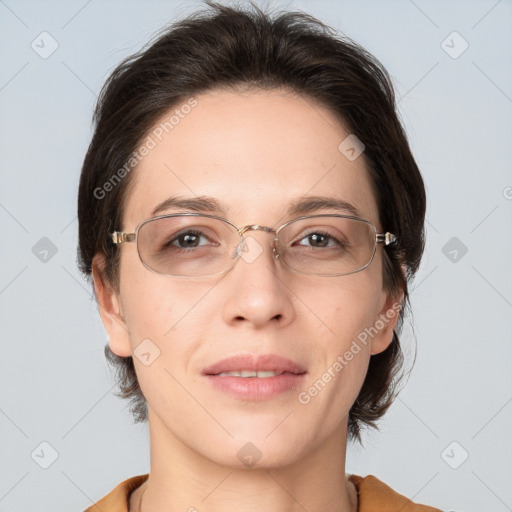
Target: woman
(250,213)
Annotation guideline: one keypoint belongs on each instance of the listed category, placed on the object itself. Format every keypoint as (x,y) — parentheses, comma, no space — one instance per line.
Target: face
(255,153)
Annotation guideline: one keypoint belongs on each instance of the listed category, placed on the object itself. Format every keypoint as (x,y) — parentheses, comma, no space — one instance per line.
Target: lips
(255,366)
(255,377)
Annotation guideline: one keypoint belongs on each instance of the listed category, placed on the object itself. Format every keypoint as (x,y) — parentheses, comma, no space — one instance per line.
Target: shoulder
(375,496)
(117,500)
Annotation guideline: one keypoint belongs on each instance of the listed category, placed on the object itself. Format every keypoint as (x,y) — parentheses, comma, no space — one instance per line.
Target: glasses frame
(121,237)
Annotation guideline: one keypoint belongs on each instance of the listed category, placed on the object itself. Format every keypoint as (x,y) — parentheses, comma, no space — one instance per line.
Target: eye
(321,239)
(189,239)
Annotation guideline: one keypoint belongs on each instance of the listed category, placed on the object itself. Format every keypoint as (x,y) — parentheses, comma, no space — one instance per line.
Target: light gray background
(55,384)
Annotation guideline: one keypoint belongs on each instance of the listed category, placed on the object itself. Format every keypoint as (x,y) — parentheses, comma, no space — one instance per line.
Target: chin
(250,458)
(255,451)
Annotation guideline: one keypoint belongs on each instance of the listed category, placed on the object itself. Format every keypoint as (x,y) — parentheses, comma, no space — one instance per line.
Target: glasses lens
(187,245)
(327,245)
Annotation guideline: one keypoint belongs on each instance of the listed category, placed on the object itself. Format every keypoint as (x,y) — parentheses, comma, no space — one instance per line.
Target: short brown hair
(233,48)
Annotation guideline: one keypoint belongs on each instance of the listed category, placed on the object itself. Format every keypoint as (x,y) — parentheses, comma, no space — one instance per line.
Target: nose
(256,291)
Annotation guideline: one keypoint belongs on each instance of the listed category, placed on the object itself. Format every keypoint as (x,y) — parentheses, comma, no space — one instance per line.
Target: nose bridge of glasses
(255,227)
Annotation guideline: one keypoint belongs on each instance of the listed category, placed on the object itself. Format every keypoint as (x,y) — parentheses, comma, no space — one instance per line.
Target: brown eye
(320,239)
(189,239)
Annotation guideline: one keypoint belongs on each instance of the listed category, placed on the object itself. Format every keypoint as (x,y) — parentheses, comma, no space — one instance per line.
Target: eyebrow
(303,205)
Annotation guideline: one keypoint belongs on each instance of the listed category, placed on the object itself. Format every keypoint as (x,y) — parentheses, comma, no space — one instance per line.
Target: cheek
(341,352)
(350,304)
(164,316)
(347,311)
(151,302)
(148,311)
(162,336)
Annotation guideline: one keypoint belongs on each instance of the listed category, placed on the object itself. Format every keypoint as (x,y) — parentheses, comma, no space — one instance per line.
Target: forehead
(254,152)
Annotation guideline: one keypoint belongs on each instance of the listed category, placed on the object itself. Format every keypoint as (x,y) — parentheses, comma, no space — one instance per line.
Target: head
(251,110)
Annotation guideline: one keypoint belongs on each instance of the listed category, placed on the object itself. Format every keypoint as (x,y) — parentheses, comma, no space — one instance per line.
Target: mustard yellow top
(373,496)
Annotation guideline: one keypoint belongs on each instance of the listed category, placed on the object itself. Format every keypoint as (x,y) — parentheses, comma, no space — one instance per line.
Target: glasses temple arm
(118,237)
(386,238)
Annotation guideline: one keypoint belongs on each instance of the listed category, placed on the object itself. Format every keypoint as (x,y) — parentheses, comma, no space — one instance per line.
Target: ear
(385,322)
(110,309)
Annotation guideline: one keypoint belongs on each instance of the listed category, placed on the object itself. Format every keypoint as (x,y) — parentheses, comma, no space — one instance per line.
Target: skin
(254,152)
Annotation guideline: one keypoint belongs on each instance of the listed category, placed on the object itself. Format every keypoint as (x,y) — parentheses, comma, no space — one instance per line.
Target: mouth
(255,377)
(250,374)
(254,365)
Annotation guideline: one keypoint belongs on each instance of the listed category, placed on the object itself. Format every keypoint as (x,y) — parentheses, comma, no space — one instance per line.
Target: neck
(181,479)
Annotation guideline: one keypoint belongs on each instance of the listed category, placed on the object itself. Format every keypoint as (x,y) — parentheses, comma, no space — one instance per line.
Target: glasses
(200,245)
